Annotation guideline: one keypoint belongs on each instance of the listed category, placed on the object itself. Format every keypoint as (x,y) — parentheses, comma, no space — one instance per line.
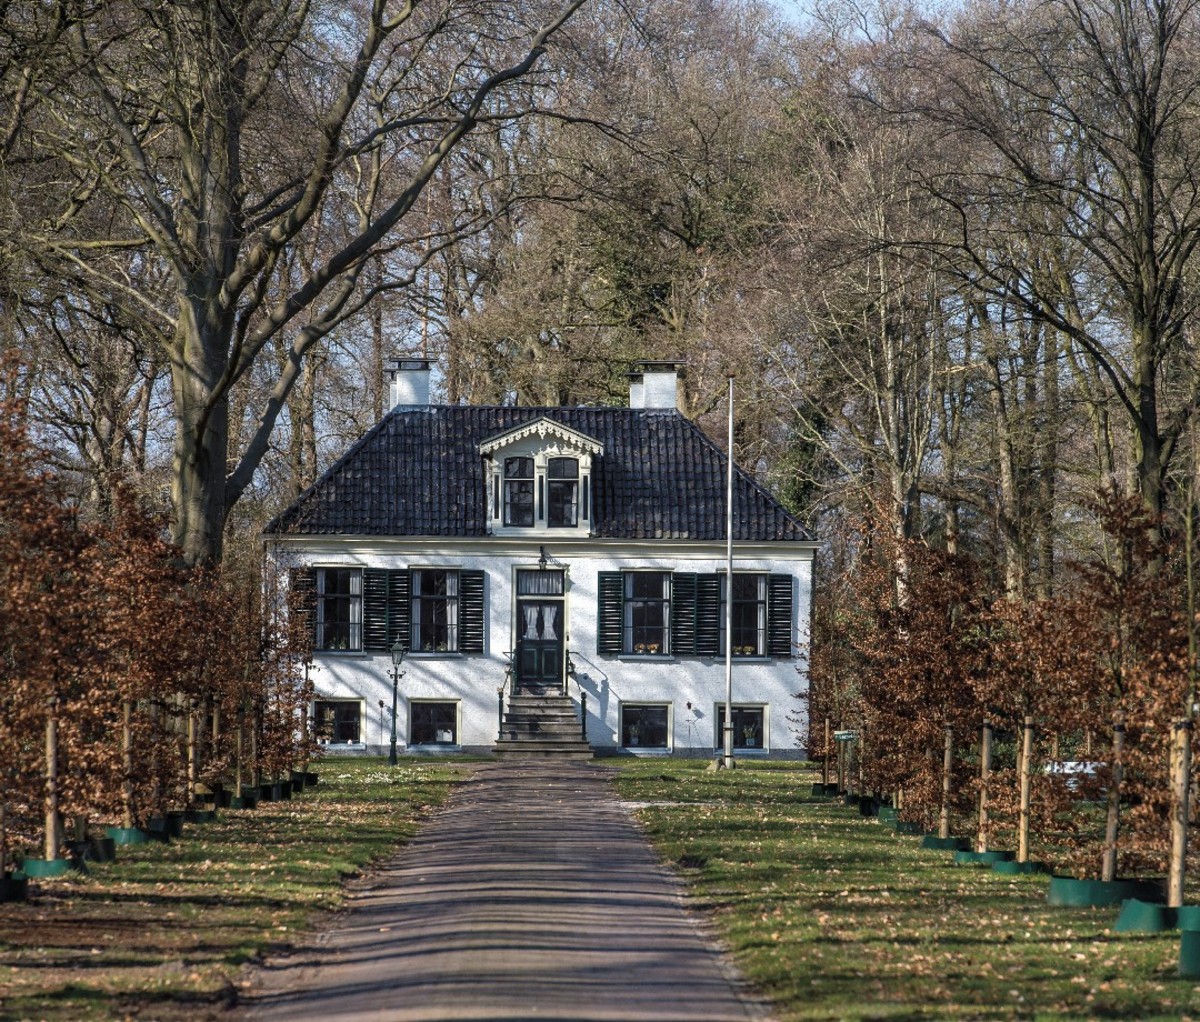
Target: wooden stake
(1181,771)
(52,822)
(825,764)
(1112,820)
(985,773)
(947,766)
(841,767)
(1026,766)
(255,765)
(191,755)
(241,730)
(127,763)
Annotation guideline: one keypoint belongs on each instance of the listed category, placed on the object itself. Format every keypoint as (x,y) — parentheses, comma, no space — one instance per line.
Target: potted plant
(748,733)
(633,734)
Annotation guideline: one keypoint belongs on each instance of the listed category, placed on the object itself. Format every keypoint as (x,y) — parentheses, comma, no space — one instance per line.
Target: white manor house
(555,578)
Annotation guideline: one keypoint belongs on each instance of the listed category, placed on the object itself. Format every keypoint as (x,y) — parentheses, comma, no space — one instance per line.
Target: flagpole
(728,736)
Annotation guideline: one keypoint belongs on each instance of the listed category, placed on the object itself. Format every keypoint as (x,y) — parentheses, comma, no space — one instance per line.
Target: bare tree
(1086,114)
(262,154)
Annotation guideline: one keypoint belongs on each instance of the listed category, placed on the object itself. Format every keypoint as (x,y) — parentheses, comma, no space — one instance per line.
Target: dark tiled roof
(418,472)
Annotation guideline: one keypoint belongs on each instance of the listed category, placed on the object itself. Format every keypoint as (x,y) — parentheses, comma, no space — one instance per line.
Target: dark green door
(539,643)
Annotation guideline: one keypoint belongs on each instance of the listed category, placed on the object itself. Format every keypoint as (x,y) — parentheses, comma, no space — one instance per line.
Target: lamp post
(397,674)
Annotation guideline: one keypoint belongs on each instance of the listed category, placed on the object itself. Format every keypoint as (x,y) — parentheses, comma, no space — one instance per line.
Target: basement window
(644,726)
(338,721)
(434,723)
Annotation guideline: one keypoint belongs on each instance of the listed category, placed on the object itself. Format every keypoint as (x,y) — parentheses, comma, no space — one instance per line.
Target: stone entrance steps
(541,724)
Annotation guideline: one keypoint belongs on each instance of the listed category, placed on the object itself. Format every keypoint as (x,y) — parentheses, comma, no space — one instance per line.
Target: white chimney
(655,385)
(409,382)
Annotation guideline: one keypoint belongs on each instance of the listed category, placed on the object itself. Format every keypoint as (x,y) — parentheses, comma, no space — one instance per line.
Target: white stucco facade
(692,688)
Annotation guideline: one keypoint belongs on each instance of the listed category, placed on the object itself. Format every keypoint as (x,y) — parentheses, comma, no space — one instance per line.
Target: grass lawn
(161,933)
(832,916)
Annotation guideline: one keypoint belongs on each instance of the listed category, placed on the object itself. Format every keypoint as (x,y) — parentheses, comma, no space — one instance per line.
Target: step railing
(573,673)
(508,672)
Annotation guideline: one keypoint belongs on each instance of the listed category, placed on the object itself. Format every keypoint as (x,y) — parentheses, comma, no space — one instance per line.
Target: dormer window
(539,479)
(562,493)
(518,491)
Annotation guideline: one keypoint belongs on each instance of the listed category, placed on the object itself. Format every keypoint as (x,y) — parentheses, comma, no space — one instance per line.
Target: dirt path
(531,895)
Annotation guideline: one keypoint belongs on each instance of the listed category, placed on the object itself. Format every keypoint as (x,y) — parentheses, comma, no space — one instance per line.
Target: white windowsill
(648,658)
(435,655)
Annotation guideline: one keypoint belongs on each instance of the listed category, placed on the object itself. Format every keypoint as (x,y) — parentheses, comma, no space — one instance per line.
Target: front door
(541,635)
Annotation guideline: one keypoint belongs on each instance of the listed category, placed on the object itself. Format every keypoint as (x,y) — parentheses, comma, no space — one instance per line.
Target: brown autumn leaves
(99,615)
(943,650)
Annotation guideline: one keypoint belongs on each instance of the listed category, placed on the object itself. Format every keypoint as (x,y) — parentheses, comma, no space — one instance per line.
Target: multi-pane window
(518,491)
(339,608)
(434,610)
(434,723)
(644,727)
(647,612)
(747,727)
(562,493)
(338,721)
(749,615)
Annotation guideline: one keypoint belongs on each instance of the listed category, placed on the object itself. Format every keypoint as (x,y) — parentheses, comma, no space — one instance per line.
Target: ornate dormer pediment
(542,431)
(538,478)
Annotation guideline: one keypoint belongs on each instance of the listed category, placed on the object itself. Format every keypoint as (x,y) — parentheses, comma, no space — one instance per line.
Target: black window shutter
(302,589)
(610,612)
(779,615)
(683,613)
(470,612)
(399,608)
(708,615)
(375,610)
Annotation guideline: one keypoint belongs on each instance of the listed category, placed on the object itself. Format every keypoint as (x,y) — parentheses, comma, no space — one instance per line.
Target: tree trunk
(201,455)
(1112,821)
(1048,477)
(1008,505)
(1149,445)
(1181,771)
(985,773)
(1026,770)
(947,767)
